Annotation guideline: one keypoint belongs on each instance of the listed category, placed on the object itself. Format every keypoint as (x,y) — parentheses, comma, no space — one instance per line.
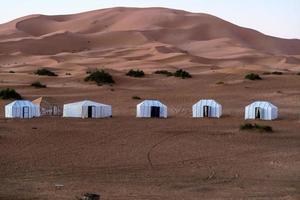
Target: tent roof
(86,103)
(152,103)
(207,102)
(262,104)
(47,100)
(21,103)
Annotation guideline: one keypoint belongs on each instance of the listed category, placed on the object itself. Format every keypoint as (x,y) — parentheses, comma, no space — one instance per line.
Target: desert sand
(126,158)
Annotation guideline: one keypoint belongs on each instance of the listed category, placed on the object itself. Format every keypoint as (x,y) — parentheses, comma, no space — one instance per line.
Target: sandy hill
(123,38)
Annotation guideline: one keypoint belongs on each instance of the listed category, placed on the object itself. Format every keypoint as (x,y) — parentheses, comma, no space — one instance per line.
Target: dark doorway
(90,111)
(155,111)
(206,111)
(26,112)
(54,110)
(257,113)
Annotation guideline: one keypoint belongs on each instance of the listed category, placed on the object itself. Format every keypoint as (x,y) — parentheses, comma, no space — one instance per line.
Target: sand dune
(190,34)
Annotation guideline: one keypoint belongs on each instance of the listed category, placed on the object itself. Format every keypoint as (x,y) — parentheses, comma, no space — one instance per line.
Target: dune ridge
(192,39)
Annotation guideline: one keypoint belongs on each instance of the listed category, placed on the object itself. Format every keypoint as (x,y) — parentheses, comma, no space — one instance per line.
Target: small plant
(11,72)
(267,73)
(164,72)
(89,196)
(179,73)
(253,77)
(68,74)
(100,77)
(136,98)
(183,74)
(220,83)
(45,72)
(246,126)
(264,128)
(135,73)
(9,94)
(256,127)
(38,84)
(273,73)
(298,73)
(277,73)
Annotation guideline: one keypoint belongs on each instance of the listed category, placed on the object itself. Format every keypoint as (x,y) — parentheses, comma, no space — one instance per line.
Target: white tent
(151,108)
(48,106)
(87,109)
(261,110)
(207,108)
(22,109)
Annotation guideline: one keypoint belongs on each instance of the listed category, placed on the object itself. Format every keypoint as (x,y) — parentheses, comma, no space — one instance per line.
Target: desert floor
(176,158)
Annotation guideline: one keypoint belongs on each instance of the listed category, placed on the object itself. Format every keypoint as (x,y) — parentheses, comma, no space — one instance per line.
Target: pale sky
(280,18)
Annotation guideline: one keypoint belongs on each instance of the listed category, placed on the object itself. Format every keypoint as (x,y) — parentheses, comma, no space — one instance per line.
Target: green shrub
(164,72)
(9,94)
(277,73)
(135,73)
(45,72)
(267,73)
(136,97)
(38,84)
(264,128)
(183,74)
(256,127)
(253,77)
(100,77)
(246,126)
(273,73)
(179,73)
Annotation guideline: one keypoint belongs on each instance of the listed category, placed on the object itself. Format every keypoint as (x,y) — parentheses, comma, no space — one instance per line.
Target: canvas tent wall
(207,108)
(48,106)
(22,109)
(87,109)
(151,108)
(261,110)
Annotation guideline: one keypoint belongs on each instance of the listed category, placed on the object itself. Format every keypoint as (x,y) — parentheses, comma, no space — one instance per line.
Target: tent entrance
(25,112)
(55,110)
(258,113)
(206,111)
(91,110)
(155,111)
